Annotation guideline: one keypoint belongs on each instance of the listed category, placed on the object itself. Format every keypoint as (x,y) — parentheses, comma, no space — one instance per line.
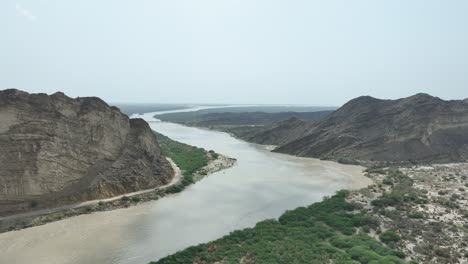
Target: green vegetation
(213,154)
(188,158)
(347,161)
(136,199)
(402,191)
(389,237)
(388,199)
(416,215)
(378,170)
(325,232)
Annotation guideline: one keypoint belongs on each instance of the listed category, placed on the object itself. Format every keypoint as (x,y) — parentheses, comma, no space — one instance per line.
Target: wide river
(261,185)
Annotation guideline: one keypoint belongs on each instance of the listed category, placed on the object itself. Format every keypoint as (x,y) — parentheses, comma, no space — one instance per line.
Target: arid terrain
(425,205)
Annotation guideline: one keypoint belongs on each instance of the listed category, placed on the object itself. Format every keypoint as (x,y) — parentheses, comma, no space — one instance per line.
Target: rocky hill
(209,118)
(57,150)
(417,128)
(281,133)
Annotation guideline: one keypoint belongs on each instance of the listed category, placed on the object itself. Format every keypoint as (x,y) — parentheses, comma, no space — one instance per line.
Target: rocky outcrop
(58,150)
(417,128)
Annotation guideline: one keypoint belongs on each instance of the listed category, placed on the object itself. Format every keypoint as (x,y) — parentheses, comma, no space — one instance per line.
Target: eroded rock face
(418,128)
(55,149)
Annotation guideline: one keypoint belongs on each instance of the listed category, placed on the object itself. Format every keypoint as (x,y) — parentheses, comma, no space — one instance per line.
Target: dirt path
(176,179)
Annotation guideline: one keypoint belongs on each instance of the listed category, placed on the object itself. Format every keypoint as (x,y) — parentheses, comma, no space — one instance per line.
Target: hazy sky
(235,51)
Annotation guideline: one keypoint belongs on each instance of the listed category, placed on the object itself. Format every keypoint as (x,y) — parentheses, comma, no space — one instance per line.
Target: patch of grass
(188,158)
(416,215)
(324,232)
(388,199)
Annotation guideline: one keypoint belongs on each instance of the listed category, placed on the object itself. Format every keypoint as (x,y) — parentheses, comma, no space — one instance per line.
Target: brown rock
(55,150)
(419,128)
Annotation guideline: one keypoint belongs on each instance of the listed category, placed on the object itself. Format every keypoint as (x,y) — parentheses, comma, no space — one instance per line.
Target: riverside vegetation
(193,162)
(188,158)
(326,232)
(412,214)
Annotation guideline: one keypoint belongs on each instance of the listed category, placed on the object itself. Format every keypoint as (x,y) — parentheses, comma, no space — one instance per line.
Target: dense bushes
(186,181)
(389,237)
(188,158)
(388,199)
(324,232)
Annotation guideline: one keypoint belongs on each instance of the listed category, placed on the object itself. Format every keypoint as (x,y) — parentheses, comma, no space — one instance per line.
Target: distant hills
(207,119)
(417,128)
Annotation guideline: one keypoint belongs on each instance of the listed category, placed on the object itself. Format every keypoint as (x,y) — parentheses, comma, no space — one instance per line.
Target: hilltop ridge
(416,128)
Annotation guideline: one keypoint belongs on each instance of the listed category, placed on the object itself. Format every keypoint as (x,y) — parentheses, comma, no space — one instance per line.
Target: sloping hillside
(207,118)
(417,128)
(281,133)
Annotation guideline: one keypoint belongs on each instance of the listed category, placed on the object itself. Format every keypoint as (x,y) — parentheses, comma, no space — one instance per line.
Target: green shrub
(387,181)
(416,215)
(443,192)
(389,237)
(320,233)
(388,199)
(188,158)
(370,221)
(376,170)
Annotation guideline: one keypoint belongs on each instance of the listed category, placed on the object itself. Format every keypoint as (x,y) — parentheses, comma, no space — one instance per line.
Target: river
(261,185)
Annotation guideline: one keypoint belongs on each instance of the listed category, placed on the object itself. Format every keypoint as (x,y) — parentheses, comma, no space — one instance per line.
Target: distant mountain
(55,150)
(281,133)
(208,119)
(418,128)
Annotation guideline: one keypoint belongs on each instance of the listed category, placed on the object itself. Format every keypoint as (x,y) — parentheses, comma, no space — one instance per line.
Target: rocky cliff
(56,150)
(417,128)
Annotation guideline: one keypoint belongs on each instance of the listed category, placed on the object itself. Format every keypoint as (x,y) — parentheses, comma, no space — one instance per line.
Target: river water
(261,185)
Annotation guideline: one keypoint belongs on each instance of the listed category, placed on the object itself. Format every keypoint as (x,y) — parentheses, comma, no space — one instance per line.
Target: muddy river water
(261,185)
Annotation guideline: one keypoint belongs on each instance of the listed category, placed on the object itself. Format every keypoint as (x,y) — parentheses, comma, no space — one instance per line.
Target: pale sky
(235,51)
